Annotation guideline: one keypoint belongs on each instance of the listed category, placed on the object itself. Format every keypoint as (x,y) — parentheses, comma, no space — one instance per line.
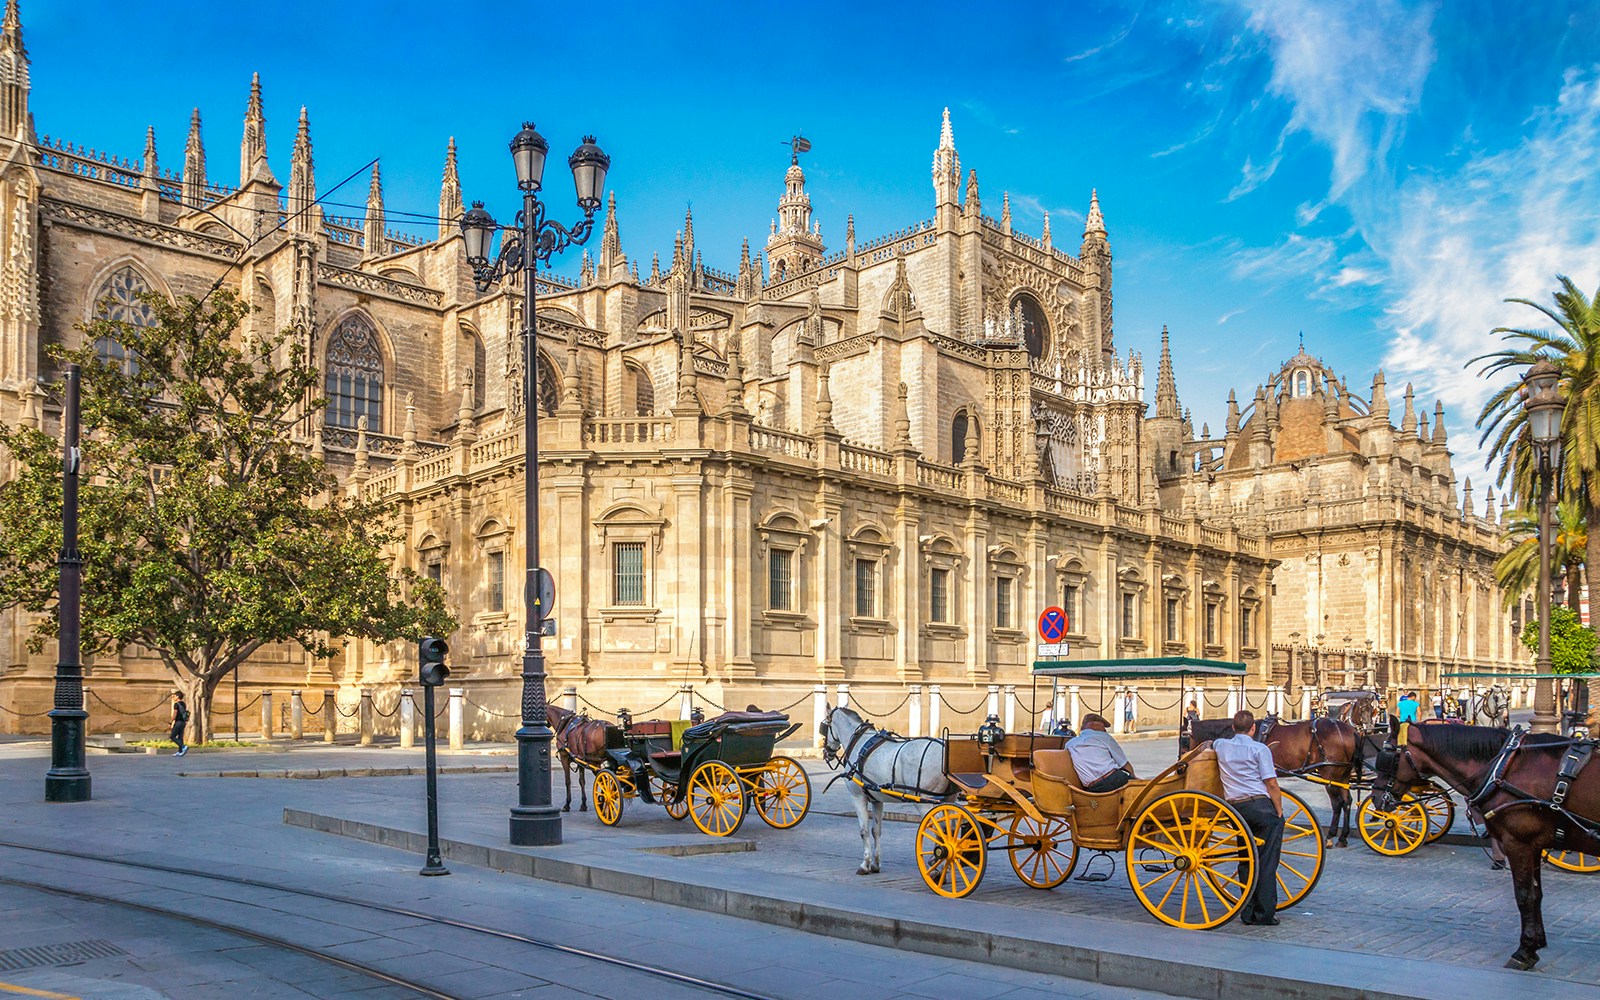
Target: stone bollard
(915,703)
(843,696)
(935,703)
(297,716)
(819,712)
(1011,708)
(267,728)
(330,716)
(408,720)
(458,725)
(569,699)
(1306,695)
(1074,706)
(991,705)
(685,701)
(1233,702)
(1116,710)
(365,712)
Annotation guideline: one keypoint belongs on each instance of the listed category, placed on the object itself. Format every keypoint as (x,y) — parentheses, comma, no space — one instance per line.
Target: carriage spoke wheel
(664,791)
(1191,860)
(1042,854)
(716,799)
(1441,810)
(783,793)
(1573,861)
(951,854)
(1300,862)
(608,798)
(1393,833)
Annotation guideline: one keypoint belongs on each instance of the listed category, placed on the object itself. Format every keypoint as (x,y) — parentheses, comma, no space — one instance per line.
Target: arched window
(118,301)
(1302,383)
(549,386)
(642,390)
(958,436)
(354,381)
(473,354)
(1028,319)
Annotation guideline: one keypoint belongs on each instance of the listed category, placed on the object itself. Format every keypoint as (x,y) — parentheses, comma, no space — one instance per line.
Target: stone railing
(941,477)
(867,461)
(1127,517)
(89,164)
(437,467)
(1071,505)
(1175,529)
(1006,491)
(799,446)
(1214,537)
(496,449)
(627,430)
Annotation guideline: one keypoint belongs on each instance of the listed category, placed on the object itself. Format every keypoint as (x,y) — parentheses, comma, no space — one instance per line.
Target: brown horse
(1523,788)
(578,737)
(1325,749)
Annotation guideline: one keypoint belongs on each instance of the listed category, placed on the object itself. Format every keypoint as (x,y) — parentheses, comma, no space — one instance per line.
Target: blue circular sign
(1052,624)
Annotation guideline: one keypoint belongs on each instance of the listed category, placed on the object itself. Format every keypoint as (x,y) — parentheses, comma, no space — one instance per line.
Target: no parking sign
(1052,624)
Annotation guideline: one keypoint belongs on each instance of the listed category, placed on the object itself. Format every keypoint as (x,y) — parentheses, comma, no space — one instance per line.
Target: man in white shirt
(1250,784)
(1099,761)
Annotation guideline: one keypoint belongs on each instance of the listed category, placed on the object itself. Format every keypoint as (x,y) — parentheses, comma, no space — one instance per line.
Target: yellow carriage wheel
(951,853)
(1441,810)
(1300,863)
(608,796)
(1042,854)
(663,791)
(1393,833)
(782,793)
(716,799)
(1574,861)
(1191,860)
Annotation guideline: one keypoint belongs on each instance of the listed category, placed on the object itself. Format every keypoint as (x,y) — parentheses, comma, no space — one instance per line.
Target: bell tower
(795,243)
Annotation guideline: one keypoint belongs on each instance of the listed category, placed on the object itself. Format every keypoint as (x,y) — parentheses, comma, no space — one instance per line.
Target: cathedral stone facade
(870,464)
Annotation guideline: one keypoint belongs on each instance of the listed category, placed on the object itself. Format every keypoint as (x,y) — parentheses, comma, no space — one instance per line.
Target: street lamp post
(68,778)
(1541,398)
(535,822)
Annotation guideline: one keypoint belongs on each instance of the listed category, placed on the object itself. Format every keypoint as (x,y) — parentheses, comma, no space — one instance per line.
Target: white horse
(881,760)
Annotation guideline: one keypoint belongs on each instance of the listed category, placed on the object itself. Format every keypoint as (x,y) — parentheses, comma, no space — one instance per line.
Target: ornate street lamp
(535,822)
(1541,399)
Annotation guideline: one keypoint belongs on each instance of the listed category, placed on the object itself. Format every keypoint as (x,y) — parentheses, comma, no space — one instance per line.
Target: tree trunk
(193,694)
(1574,588)
(1591,548)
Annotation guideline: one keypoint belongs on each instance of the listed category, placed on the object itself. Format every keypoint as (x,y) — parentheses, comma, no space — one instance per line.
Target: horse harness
(853,768)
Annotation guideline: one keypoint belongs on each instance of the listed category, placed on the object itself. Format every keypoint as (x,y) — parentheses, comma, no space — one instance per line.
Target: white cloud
(1295,257)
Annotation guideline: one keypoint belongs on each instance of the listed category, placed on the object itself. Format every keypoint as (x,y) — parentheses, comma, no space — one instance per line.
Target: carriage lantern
(624,719)
(990,734)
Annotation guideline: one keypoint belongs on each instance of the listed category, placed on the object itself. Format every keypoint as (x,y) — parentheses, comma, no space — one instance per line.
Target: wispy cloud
(1295,257)
(1230,314)
(1112,43)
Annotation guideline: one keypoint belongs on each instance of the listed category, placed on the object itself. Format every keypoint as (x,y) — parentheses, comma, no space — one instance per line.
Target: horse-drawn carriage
(1189,855)
(714,772)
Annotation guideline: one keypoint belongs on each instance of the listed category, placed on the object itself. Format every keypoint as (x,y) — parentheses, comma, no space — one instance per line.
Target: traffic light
(431,652)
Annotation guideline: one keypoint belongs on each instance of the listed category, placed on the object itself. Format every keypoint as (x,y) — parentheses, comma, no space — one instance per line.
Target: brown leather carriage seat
(653,727)
(1056,789)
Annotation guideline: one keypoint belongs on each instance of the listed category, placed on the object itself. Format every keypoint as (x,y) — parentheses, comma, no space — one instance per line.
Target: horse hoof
(1522,964)
(863,870)
(566,809)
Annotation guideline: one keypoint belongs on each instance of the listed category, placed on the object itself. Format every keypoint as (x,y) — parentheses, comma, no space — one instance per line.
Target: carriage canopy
(1515,675)
(1139,668)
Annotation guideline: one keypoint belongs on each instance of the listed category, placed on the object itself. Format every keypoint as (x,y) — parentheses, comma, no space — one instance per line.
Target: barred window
(1130,616)
(1174,629)
(1246,622)
(549,386)
(644,391)
(354,380)
(118,301)
(1070,601)
(939,595)
(866,588)
(497,581)
(627,573)
(780,579)
(1211,624)
(436,573)
(1002,602)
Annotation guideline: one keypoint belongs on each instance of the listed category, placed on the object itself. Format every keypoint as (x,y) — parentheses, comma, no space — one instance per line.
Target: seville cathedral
(866,460)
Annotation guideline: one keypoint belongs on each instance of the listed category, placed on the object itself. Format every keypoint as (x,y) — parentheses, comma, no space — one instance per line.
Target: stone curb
(1073,945)
(313,773)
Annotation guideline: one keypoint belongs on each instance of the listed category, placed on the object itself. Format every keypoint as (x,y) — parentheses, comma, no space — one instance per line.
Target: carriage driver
(1099,761)
(1250,784)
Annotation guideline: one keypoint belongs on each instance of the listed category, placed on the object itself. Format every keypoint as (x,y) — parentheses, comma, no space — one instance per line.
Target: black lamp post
(68,777)
(534,819)
(1541,399)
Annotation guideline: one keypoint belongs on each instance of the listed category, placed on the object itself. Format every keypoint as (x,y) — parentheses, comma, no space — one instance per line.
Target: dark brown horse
(1324,749)
(577,737)
(1516,783)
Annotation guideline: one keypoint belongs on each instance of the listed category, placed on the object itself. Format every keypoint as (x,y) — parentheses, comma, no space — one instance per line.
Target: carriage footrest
(667,758)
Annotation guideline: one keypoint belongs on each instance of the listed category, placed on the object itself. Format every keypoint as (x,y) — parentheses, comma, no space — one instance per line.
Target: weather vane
(797,145)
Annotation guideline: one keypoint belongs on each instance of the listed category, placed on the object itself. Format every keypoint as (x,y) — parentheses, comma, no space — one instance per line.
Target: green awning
(1513,675)
(1138,668)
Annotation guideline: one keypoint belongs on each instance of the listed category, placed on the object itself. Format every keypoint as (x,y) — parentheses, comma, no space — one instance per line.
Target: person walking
(1407,709)
(1128,712)
(1438,704)
(1250,784)
(180,722)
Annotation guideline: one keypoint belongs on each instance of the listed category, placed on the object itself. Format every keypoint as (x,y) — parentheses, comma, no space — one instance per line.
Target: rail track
(261,937)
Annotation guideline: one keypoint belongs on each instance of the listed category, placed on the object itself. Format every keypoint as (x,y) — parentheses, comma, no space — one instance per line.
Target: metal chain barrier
(958,711)
(1031,709)
(696,694)
(877,715)
(307,709)
(803,698)
(613,715)
(350,714)
(1160,708)
(1222,703)
(155,708)
(486,711)
(391,713)
(30,715)
(1251,703)
(247,706)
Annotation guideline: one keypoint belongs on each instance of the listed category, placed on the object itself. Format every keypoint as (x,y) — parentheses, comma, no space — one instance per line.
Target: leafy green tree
(206,532)
(1572,643)
(1574,347)
(1517,571)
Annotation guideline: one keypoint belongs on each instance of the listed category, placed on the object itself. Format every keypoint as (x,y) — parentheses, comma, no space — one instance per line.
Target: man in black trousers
(180,722)
(1250,784)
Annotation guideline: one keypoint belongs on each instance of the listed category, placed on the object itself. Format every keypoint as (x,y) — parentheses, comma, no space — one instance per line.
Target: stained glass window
(549,386)
(354,381)
(119,302)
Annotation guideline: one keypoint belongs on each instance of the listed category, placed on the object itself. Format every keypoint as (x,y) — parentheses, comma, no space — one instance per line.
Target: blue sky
(1378,176)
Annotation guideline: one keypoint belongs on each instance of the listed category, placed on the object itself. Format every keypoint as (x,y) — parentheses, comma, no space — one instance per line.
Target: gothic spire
(1232,426)
(973,204)
(1045,236)
(253,146)
(946,166)
(14,89)
(1408,419)
(613,263)
(149,164)
(1439,437)
(1166,383)
(947,137)
(450,205)
(194,165)
(688,235)
(1005,213)
(302,181)
(1094,224)
(1380,399)
(372,230)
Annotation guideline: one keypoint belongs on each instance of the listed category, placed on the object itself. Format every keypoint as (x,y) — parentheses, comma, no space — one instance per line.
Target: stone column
(1011,708)
(458,726)
(1305,703)
(935,703)
(843,696)
(1075,706)
(297,716)
(1116,711)
(819,712)
(366,717)
(408,720)
(685,701)
(1235,703)
(914,726)
(992,703)
(267,727)
(330,716)
(569,699)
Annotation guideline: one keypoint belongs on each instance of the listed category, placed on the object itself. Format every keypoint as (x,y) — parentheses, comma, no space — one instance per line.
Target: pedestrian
(1127,712)
(1191,715)
(1407,709)
(1438,704)
(1250,784)
(180,722)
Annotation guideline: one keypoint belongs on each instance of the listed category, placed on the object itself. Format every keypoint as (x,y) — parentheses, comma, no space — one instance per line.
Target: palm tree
(1518,570)
(1574,348)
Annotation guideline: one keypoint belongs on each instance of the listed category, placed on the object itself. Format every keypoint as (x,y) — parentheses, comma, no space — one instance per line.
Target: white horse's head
(838,725)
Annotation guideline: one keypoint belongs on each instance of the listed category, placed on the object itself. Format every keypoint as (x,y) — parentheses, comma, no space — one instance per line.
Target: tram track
(422,989)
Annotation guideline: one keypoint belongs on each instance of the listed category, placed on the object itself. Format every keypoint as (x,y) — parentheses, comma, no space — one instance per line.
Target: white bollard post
(819,713)
(1234,703)
(915,703)
(844,696)
(1305,703)
(330,716)
(1011,708)
(935,702)
(992,705)
(408,720)
(569,699)
(297,716)
(1116,711)
(1275,700)
(267,728)
(458,727)
(1074,706)
(685,701)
